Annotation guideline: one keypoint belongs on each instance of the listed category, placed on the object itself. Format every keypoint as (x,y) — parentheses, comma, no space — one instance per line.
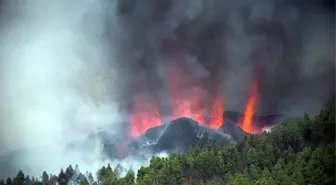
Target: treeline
(299,152)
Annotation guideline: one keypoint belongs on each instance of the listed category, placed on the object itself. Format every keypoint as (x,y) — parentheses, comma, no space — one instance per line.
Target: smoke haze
(58,80)
(69,67)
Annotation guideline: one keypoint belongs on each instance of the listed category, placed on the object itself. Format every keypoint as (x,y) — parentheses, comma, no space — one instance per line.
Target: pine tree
(62,178)
(90,178)
(19,179)
(45,178)
(84,181)
(28,180)
(9,181)
(69,171)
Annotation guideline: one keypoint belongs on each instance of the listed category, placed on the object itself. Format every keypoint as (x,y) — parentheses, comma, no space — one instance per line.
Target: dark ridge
(183,133)
(231,120)
(259,120)
(233,130)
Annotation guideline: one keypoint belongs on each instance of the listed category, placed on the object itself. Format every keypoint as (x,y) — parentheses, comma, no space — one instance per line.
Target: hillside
(297,152)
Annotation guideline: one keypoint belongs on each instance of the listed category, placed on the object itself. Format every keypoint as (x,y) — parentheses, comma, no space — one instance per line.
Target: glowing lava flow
(146,115)
(185,104)
(247,123)
(217,113)
(192,107)
(190,103)
(187,100)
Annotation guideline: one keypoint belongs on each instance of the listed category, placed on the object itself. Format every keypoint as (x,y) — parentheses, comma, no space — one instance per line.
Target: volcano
(178,135)
(182,133)
(186,95)
(175,136)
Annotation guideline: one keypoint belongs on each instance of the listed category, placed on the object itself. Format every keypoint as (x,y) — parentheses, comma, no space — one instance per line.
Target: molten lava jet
(247,123)
(145,114)
(217,111)
(194,106)
(193,102)
(187,99)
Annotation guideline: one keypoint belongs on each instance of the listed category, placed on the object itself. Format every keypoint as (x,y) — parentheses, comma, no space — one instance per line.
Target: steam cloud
(59,79)
(70,66)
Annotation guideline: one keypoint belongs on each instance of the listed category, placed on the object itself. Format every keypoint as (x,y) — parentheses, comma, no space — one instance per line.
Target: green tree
(142,172)
(298,177)
(255,173)
(107,175)
(239,179)
(62,178)
(84,181)
(188,165)
(129,178)
(90,178)
(266,177)
(156,167)
(146,180)
(45,178)
(19,179)
(174,168)
(69,171)
(28,181)
(202,165)
(220,168)
(52,179)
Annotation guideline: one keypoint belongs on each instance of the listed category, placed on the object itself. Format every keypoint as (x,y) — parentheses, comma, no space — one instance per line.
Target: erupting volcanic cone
(187,99)
(184,132)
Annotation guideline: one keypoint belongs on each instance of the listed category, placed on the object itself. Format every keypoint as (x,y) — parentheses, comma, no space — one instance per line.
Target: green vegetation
(296,153)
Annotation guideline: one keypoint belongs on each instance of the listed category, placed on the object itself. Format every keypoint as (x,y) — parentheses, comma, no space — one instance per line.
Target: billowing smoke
(59,81)
(286,46)
(69,67)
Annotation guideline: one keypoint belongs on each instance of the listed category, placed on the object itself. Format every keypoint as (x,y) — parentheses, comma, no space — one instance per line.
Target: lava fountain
(247,123)
(193,102)
(187,99)
(145,113)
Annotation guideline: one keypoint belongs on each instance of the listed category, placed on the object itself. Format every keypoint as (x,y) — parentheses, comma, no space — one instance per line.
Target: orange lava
(187,100)
(217,116)
(247,123)
(191,102)
(193,106)
(145,116)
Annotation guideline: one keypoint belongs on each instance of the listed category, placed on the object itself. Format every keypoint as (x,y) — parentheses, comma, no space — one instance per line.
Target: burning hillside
(204,108)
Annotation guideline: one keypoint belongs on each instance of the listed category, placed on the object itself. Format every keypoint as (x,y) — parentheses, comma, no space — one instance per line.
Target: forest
(298,152)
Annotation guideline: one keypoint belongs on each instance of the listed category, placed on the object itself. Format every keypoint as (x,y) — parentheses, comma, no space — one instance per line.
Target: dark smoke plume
(287,46)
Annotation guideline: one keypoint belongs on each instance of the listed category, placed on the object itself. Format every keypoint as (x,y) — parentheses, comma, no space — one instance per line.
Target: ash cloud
(69,66)
(286,46)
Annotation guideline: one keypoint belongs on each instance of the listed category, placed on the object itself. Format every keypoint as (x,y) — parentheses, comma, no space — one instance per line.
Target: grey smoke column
(287,46)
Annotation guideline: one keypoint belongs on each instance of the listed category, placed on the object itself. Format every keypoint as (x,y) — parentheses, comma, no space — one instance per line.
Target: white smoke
(58,79)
